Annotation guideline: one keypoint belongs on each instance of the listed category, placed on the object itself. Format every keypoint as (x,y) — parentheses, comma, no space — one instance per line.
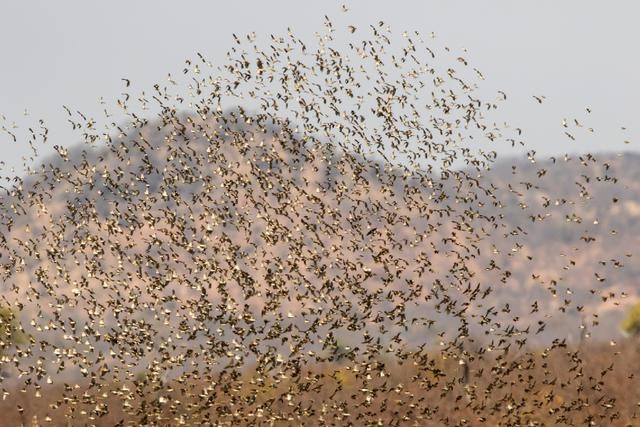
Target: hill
(255,217)
(208,246)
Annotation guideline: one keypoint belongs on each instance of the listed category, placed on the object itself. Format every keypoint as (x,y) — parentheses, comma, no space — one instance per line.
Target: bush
(11,334)
(631,323)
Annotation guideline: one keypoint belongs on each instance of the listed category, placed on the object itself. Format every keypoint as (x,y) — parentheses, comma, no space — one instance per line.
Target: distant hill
(215,239)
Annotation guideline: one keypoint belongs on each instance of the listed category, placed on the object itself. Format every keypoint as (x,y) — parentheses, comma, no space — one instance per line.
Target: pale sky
(577,53)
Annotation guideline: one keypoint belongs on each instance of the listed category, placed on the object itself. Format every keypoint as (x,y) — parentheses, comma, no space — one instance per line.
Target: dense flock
(308,232)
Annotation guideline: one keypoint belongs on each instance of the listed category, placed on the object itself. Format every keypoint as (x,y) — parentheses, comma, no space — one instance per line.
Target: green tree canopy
(11,334)
(631,323)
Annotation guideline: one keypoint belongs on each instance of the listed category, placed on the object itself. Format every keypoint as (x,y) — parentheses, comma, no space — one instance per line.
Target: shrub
(631,323)
(11,334)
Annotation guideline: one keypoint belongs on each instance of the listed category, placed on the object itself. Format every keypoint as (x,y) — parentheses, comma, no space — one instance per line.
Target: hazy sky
(577,53)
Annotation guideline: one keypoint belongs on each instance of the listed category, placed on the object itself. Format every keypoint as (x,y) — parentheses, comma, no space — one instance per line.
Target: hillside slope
(250,222)
(204,247)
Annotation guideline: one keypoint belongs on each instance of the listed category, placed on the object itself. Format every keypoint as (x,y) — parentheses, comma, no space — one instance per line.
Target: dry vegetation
(563,386)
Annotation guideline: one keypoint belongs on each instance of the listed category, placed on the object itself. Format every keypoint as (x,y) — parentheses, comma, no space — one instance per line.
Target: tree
(631,323)
(11,333)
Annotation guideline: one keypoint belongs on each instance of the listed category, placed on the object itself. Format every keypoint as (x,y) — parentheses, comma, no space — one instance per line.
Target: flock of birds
(328,253)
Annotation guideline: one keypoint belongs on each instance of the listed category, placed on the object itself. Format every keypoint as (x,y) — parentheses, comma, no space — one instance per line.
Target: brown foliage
(557,386)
